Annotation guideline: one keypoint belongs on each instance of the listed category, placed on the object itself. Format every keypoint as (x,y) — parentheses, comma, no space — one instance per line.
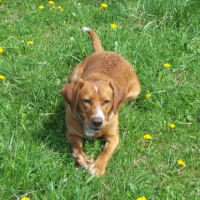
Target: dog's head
(94,100)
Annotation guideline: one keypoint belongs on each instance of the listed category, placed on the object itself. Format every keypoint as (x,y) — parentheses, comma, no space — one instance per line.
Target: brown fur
(97,88)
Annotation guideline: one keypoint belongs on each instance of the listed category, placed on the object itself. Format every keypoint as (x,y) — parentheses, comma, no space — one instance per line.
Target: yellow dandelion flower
(53,7)
(30,42)
(103,5)
(182,163)
(147,137)
(167,65)
(25,198)
(41,7)
(51,2)
(148,95)
(1,49)
(113,25)
(59,7)
(2,77)
(172,125)
(142,198)
(9,25)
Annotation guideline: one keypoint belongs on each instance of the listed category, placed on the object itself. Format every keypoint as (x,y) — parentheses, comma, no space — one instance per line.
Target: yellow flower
(180,162)
(142,198)
(41,7)
(53,7)
(2,77)
(9,25)
(147,137)
(30,42)
(103,5)
(167,65)
(148,95)
(25,198)
(113,25)
(51,2)
(172,125)
(1,49)
(60,8)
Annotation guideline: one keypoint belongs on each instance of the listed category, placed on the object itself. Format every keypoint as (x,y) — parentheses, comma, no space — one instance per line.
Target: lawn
(41,43)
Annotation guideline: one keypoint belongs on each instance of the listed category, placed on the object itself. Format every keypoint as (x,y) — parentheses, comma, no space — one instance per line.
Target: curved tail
(96,43)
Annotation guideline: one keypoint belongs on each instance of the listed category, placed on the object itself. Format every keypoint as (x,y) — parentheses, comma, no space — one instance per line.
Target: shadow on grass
(51,130)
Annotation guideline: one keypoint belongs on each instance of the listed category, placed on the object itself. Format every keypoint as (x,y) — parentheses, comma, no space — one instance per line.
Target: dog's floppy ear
(119,94)
(70,93)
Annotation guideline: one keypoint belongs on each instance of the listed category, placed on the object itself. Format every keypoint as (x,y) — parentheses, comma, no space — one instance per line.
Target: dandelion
(53,7)
(147,137)
(172,125)
(148,95)
(167,65)
(142,198)
(25,198)
(103,5)
(41,7)
(30,42)
(1,49)
(113,25)
(2,77)
(182,163)
(51,2)
(60,8)
(9,25)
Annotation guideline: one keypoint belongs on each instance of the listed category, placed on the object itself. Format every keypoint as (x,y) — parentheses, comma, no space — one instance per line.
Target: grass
(35,158)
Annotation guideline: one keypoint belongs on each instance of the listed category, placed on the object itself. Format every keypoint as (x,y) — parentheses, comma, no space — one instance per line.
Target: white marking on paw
(74,155)
(91,170)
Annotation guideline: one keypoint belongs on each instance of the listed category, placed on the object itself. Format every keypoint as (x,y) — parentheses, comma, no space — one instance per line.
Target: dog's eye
(87,101)
(106,102)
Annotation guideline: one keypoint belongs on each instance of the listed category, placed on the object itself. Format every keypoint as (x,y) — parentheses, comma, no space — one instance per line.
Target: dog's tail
(96,43)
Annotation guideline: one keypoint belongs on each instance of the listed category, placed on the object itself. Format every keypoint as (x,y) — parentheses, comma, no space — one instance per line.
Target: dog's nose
(97,121)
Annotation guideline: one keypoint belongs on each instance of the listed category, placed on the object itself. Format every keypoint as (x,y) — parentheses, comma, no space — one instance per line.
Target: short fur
(97,88)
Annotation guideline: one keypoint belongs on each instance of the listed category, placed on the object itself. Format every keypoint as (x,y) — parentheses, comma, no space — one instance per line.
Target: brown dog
(97,88)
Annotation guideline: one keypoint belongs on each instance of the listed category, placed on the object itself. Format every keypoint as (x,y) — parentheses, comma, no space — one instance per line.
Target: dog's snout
(97,121)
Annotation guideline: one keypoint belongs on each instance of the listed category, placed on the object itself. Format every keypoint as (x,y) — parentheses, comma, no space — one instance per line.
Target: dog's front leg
(76,147)
(98,167)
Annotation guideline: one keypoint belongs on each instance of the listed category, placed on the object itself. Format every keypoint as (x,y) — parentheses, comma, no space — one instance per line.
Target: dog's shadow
(51,130)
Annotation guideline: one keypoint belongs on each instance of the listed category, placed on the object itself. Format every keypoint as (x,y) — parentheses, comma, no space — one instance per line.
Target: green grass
(35,157)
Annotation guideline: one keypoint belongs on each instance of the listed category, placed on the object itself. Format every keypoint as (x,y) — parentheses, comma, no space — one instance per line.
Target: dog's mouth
(96,129)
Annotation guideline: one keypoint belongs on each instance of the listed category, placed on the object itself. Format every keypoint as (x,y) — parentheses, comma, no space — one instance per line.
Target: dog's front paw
(82,160)
(96,170)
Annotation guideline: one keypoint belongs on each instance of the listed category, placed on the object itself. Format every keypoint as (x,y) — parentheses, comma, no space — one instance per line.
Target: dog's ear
(70,93)
(119,94)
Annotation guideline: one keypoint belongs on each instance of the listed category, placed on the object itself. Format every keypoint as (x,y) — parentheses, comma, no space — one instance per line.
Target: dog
(96,89)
